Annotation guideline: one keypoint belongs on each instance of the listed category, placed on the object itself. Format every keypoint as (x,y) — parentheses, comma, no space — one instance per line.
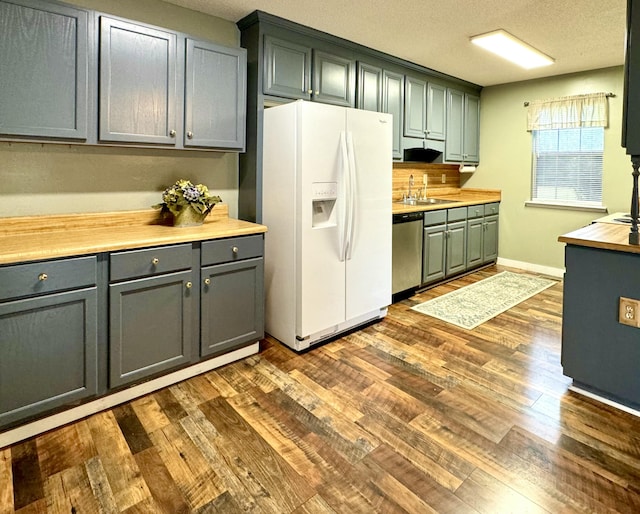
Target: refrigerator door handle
(343,198)
(351,208)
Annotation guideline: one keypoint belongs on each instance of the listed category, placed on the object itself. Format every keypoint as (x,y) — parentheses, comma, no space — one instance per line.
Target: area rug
(474,304)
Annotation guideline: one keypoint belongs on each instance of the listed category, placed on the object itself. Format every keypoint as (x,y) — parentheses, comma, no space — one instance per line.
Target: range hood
(421,155)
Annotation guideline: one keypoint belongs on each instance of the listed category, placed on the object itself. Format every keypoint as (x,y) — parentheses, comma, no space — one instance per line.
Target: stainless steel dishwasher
(407,251)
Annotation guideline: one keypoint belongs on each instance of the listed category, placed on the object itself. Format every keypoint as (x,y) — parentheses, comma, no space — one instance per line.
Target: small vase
(188,217)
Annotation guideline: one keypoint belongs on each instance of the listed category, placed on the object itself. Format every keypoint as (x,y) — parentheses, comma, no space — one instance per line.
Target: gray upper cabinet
(393,103)
(287,69)
(333,79)
(463,118)
(369,94)
(415,107)
(436,111)
(43,70)
(137,83)
(215,96)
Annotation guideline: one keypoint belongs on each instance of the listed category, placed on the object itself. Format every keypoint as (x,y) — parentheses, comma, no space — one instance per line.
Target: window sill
(565,206)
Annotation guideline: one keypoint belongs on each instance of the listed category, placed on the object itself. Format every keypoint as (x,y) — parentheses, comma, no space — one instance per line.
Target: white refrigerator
(327,206)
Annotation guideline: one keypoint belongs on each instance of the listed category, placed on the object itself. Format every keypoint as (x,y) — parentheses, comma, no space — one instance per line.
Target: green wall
(60,178)
(530,234)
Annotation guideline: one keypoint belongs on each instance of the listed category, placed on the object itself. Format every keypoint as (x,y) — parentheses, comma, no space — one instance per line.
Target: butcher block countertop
(607,236)
(459,198)
(35,238)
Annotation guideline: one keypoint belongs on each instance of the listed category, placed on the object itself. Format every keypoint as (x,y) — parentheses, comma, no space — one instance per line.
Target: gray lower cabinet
(138,81)
(48,336)
(434,253)
(475,235)
(215,96)
(393,103)
(151,304)
(490,239)
(456,247)
(44,70)
(232,294)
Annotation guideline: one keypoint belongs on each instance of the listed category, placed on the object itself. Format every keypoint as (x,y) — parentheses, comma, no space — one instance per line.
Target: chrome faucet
(410,185)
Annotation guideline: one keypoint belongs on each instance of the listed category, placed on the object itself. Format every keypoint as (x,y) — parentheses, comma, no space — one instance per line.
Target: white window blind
(568,145)
(567,165)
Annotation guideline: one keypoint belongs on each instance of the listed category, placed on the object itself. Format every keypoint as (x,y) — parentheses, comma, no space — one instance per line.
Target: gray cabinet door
(475,236)
(456,247)
(138,80)
(149,326)
(369,95)
(215,96)
(471,128)
(232,305)
(490,249)
(415,107)
(455,126)
(48,352)
(333,79)
(436,111)
(43,70)
(287,69)
(433,253)
(393,103)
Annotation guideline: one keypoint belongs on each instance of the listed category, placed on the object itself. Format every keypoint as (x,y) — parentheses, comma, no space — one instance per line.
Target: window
(567,165)
(568,147)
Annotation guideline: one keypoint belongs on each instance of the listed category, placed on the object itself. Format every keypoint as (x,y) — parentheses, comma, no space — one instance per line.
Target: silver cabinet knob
(317,93)
(188,285)
(234,249)
(190,135)
(207,281)
(155,261)
(42,277)
(310,91)
(172,133)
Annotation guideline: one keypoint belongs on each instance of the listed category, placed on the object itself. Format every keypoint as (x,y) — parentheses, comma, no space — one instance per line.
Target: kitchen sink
(427,201)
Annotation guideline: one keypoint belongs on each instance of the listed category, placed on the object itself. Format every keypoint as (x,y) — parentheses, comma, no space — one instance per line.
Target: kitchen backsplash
(435,173)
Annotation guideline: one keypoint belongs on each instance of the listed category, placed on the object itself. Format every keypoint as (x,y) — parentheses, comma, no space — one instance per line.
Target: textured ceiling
(579,34)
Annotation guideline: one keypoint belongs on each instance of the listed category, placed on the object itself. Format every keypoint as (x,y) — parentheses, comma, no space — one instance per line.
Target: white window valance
(591,110)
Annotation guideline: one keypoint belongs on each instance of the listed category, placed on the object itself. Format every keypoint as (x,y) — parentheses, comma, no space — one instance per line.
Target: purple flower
(191,194)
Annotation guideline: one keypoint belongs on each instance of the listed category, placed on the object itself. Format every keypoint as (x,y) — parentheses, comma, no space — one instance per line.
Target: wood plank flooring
(407,415)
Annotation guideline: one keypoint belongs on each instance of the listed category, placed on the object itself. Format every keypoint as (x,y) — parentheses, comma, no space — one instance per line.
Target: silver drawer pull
(42,277)
(207,281)
(155,261)
(234,249)
(172,133)
(188,285)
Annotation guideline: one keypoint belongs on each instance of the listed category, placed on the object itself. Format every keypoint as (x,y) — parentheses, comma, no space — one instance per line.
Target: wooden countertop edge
(35,238)
(606,236)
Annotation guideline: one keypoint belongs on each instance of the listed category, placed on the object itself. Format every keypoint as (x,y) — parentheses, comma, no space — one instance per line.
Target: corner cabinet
(463,127)
(43,93)
(48,336)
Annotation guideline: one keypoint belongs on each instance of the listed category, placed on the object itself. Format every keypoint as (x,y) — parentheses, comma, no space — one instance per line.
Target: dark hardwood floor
(407,415)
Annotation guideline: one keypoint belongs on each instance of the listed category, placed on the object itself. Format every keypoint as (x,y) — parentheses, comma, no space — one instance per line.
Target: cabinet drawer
(457,214)
(233,249)
(475,211)
(150,261)
(491,208)
(47,277)
(435,217)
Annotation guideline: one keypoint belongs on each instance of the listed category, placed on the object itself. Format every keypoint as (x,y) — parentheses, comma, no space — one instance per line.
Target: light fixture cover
(509,47)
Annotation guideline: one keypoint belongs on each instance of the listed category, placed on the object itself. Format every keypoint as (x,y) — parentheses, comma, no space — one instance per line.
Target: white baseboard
(106,402)
(528,266)
(606,401)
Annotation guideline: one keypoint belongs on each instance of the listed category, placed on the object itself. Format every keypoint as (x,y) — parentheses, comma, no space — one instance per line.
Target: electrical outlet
(629,311)
(444,178)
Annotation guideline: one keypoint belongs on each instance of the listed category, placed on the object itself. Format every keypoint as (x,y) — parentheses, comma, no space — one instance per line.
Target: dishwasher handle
(407,217)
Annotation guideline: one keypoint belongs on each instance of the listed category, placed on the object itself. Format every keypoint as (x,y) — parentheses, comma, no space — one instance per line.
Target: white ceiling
(579,34)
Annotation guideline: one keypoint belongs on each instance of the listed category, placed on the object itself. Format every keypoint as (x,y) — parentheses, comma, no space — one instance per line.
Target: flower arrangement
(185,198)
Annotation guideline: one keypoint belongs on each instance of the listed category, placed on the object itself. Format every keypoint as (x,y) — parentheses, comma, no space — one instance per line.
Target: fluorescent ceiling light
(509,47)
